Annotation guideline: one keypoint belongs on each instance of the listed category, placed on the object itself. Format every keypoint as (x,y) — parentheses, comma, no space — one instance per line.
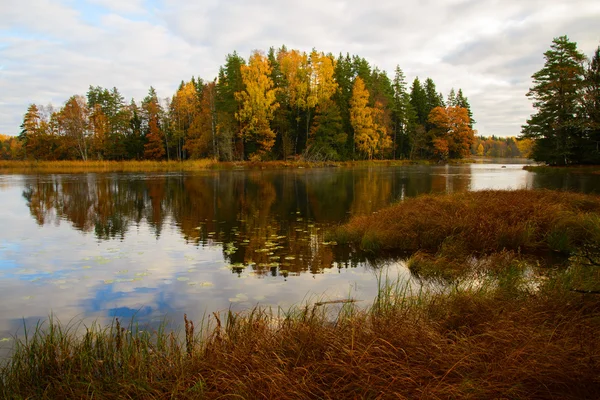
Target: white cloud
(51,50)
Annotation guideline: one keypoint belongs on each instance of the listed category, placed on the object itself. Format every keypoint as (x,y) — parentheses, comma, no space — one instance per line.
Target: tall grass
(188,165)
(102,166)
(576,169)
(475,342)
(480,223)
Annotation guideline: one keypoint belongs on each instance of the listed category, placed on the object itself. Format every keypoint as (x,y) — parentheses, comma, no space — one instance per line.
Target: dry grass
(102,166)
(575,169)
(480,223)
(481,343)
(188,165)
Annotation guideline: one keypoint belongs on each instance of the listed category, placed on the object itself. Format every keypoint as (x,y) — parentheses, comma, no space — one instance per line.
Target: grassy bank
(575,169)
(480,223)
(24,167)
(503,333)
(499,340)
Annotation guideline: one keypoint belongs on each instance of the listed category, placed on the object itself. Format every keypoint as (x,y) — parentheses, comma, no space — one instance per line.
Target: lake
(154,246)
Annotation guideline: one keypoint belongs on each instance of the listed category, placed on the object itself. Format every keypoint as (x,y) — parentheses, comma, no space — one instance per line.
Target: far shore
(33,166)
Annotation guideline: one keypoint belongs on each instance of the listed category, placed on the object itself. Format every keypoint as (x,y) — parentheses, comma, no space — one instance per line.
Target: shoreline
(508,326)
(14,167)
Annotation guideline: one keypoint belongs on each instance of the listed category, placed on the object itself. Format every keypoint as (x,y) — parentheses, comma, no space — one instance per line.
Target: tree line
(279,105)
(566,95)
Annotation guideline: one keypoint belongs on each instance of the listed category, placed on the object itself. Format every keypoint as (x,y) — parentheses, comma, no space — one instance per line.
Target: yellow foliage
(369,137)
(451,124)
(258,102)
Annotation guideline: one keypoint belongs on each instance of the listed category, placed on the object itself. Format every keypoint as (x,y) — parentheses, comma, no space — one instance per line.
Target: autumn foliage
(452,134)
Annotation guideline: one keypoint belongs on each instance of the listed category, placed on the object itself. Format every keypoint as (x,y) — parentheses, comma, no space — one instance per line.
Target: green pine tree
(556,94)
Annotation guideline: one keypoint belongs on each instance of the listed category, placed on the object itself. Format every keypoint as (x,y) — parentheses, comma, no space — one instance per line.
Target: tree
(451,102)
(418,100)
(590,114)
(403,114)
(201,139)
(368,135)
(184,109)
(154,148)
(295,69)
(229,83)
(556,93)
(451,133)
(461,101)
(258,104)
(327,135)
(74,122)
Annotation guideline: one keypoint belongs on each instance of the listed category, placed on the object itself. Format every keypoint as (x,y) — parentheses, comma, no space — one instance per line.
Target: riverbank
(499,339)
(575,169)
(493,321)
(27,167)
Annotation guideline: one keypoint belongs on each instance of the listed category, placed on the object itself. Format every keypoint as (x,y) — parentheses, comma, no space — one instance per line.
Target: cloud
(51,50)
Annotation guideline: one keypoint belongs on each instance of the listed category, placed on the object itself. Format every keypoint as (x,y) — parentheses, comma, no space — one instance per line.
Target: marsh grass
(497,339)
(575,169)
(481,222)
(76,166)
(103,166)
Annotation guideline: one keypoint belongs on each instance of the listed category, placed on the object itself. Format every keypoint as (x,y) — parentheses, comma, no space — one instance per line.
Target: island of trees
(289,104)
(279,105)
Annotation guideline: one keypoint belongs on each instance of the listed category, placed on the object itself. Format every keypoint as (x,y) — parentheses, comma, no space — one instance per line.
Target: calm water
(96,246)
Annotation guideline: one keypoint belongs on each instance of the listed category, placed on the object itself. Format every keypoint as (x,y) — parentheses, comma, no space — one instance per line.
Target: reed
(24,167)
(479,341)
(484,222)
(103,166)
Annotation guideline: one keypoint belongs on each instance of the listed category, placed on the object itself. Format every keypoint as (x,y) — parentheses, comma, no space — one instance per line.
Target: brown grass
(188,165)
(575,169)
(480,223)
(102,166)
(475,343)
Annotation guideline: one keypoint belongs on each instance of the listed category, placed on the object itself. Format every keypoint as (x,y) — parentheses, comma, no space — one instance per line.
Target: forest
(566,96)
(284,104)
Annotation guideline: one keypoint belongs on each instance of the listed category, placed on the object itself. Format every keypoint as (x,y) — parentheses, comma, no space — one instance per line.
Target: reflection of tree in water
(270,221)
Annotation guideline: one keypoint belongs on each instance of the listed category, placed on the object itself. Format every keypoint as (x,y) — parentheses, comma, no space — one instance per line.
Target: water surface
(98,246)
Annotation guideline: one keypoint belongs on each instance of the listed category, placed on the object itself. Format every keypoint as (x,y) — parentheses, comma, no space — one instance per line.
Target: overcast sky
(52,49)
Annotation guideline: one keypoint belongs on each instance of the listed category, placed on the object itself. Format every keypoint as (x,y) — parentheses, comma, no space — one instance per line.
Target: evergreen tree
(418,99)
(434,99)
(402,112)
(556,92)
(590,115)
(462,101)
(230,82)
(451,102)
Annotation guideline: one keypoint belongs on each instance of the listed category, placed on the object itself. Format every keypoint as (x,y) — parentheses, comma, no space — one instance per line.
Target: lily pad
(109,281)
(183,279)
(238,298)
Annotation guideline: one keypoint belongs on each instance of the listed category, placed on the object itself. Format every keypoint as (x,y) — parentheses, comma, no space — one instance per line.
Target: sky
(53,49)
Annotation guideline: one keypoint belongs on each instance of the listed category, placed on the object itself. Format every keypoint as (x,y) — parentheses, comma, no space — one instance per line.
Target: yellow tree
(322,78)
(201,139)
(100,129)
(74,123)
(257,104)
(384,141)
(296,70)
(367,133)
(310,82)
(184,109)
(451,132)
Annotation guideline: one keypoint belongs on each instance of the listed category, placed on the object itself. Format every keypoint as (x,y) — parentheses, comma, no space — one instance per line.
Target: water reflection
(150,245)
